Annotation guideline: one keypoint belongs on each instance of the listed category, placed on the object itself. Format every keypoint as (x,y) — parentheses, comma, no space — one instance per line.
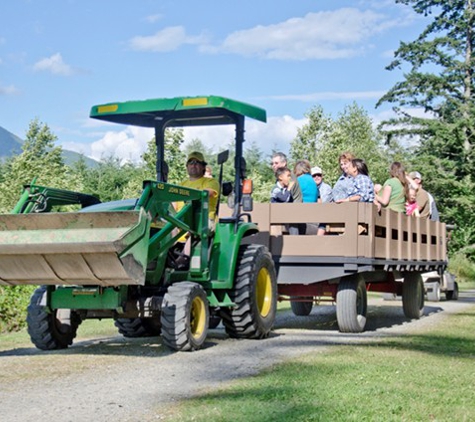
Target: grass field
(424,377)
(428,376)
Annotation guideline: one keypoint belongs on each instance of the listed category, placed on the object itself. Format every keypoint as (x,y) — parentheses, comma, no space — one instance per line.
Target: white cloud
(153,18)
(8,90)
(320,96)
(167,39)
(334,34)
(130,143)
(277,133)
(127,144)
(54,64)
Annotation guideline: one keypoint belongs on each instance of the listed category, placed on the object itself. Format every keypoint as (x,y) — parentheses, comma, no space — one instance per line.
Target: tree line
(437,77)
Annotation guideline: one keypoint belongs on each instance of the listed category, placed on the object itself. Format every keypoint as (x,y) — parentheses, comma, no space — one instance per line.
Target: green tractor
(122,259)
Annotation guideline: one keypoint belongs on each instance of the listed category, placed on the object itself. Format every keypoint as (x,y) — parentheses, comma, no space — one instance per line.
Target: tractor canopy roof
(177,112)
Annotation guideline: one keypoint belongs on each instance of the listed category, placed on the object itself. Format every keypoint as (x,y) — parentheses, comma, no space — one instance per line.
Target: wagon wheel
(351,305)
(413,295)
(300,308)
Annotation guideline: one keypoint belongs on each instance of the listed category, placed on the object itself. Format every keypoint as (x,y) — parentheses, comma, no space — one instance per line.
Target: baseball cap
(415,175)
(316,170)
(197,156)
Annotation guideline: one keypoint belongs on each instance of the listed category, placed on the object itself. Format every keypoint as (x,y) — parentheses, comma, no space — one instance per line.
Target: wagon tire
(413,296)
(351,305)
(453,294)
(300,308)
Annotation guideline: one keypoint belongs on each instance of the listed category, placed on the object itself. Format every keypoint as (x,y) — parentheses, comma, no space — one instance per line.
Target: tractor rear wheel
(300,308)
(50,330)
(254,293)
(138,327)
(351,305)
(185,316)
(413,295)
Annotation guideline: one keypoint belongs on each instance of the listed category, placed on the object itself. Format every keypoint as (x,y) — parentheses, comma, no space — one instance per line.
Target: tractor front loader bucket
(74,248)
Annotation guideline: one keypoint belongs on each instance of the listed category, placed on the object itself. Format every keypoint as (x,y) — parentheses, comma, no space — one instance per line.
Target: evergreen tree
(440,81)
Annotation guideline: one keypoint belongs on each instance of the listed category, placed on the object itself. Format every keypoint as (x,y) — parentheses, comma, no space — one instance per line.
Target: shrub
(462,267)
(13,303)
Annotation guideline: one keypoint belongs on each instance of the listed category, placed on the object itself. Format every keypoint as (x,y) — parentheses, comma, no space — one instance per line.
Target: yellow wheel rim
(264,292)
(198,317)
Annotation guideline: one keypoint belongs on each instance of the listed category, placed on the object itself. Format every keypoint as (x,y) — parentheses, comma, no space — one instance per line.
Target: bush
(13,303)
(462,267)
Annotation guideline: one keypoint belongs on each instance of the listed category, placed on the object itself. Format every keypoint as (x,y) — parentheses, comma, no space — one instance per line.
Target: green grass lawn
(419,377)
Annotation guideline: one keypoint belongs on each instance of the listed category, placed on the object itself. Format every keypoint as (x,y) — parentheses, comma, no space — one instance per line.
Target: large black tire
(185,316)
(413,295)
(453,294)
(300,308)
(351,305)
(254,293)
(50,330)
(138,327)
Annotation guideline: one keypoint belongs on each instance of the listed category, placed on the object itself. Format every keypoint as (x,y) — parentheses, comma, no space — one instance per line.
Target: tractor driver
(196,168)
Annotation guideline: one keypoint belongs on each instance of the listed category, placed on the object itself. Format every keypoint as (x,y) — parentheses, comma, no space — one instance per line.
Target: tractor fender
(224,253)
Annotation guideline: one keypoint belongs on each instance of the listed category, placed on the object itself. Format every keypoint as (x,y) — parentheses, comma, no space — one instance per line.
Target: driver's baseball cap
(197,156)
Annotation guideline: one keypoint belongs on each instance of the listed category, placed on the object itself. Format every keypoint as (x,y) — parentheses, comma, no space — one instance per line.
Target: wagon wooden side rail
(362,250)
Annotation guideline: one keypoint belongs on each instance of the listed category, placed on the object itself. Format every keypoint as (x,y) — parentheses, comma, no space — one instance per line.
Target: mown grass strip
(418,377)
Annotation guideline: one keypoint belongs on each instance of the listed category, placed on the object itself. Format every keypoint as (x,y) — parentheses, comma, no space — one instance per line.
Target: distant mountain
(10,145)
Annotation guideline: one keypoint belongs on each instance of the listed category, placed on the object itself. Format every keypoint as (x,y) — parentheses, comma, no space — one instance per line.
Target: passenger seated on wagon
(325,194)
(395,191)
(412,209)
(363,187)
(344,185)
(282,193)
(307,185)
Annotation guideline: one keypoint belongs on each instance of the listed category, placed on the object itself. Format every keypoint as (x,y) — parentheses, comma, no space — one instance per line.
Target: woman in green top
(395,191)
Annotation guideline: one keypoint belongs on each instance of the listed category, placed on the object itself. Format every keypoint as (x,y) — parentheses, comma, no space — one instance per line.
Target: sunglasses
(194,162)
(317,175)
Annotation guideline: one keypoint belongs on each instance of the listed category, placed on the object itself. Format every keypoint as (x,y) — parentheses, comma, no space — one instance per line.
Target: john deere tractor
(123,259)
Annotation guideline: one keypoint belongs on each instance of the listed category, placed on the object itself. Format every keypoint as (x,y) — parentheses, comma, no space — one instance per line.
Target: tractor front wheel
(50,330)
(254,294)
(185,316)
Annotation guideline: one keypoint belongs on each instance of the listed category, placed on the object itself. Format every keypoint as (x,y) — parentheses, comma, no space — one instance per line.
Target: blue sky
(60,57)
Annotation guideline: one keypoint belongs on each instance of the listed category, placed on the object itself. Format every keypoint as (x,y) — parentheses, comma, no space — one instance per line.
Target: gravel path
(129,379)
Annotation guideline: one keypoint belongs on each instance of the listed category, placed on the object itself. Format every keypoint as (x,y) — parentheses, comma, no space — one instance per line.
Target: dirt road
(129,379)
